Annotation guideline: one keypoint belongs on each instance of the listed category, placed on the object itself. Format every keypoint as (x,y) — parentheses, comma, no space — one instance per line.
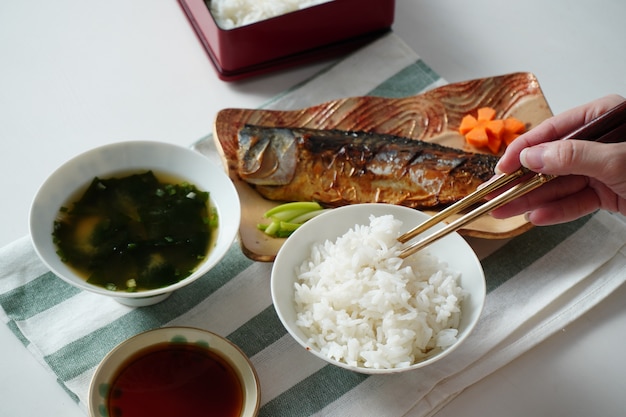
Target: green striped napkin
(537,283)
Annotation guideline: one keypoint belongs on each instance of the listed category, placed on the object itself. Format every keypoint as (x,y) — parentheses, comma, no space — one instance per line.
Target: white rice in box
(359,303)
(229,14)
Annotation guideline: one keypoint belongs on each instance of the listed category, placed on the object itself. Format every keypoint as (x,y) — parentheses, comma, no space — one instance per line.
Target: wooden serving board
(431,116)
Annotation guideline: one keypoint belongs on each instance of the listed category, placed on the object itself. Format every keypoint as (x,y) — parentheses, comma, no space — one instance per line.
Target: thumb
(602,161)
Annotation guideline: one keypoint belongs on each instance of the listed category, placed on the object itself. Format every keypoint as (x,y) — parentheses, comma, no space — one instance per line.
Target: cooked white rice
(229,14)
(361,304)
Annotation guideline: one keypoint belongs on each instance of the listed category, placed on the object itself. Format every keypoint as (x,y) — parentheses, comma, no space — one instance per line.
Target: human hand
(591,175)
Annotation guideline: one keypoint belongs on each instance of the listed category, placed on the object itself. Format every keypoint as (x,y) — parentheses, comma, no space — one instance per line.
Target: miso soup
(136,232)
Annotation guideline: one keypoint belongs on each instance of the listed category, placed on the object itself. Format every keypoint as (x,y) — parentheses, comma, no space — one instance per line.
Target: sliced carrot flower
(485,131)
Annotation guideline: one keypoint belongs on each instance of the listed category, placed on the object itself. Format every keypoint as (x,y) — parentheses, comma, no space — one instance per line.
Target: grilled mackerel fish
(337,168)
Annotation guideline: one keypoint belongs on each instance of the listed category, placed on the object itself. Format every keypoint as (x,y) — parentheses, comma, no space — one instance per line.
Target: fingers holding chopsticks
(591,175)
(561,200)
(555,128)
(560,180)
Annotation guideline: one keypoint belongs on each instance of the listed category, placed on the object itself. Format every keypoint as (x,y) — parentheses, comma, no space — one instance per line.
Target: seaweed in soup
(135,232)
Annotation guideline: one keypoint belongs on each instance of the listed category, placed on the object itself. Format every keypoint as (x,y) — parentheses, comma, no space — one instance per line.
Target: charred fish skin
(337,167)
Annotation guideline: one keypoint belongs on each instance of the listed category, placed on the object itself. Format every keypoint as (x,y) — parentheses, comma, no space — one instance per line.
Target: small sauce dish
(174,371)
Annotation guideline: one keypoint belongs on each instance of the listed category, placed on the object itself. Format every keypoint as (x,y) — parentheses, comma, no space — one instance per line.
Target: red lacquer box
(316,32)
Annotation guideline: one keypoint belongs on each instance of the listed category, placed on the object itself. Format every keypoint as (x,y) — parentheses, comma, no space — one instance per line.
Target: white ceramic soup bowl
(210,359)
(452,249)
(69,181)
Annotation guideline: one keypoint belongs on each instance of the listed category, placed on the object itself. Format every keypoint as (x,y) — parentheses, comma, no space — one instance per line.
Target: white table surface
(77,74)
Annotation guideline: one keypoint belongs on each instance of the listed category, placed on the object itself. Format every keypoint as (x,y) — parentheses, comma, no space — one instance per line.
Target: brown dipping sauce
(175,379)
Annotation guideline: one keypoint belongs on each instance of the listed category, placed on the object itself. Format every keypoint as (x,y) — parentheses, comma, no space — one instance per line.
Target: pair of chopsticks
(609,127)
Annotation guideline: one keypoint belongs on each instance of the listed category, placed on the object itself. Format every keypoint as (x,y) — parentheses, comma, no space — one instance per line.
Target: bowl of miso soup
(134,220)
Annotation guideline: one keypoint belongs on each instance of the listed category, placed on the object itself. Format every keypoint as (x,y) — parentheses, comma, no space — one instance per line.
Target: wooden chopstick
(609,127)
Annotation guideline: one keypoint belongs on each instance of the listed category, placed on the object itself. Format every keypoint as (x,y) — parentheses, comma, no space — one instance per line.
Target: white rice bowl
(341,290)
